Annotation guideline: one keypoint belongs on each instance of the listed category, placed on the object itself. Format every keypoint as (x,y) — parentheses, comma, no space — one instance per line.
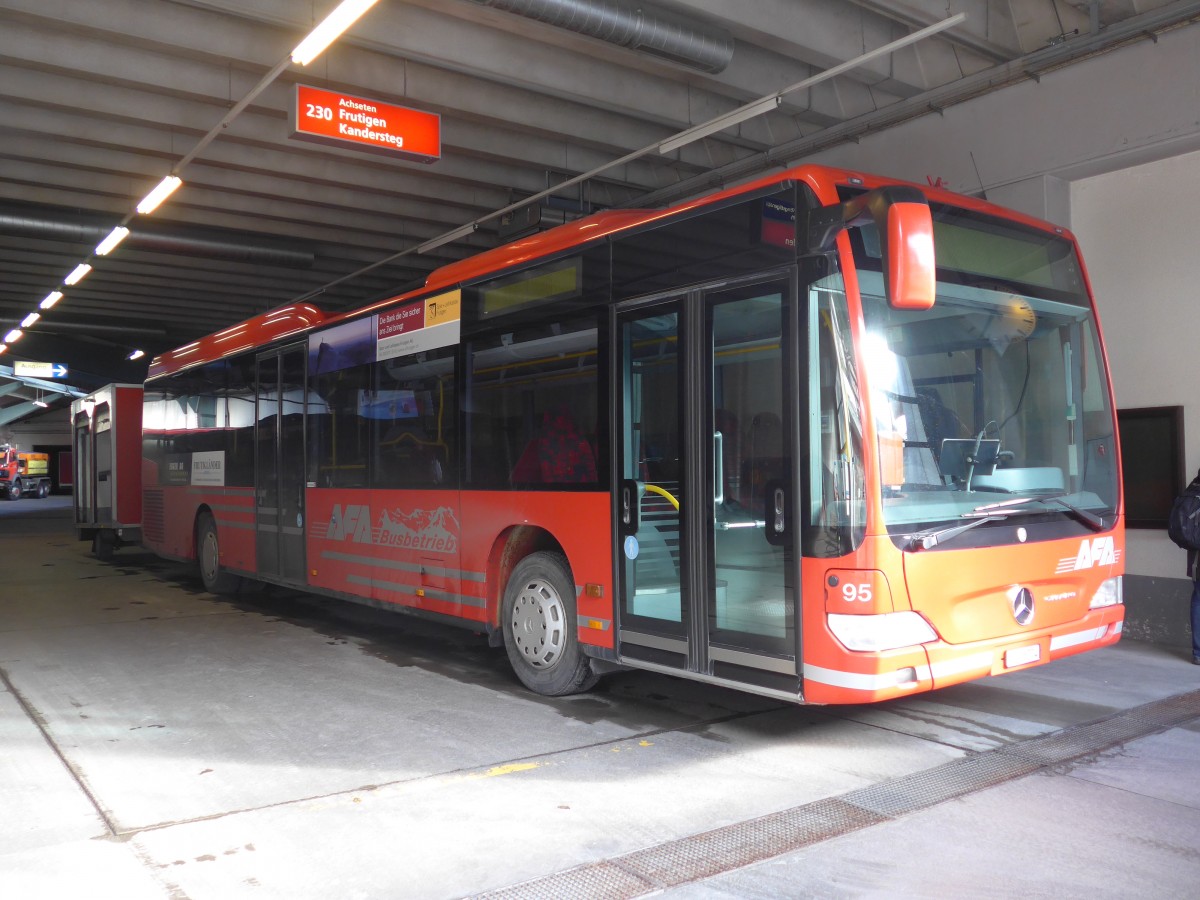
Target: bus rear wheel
(208,554)
(538,618)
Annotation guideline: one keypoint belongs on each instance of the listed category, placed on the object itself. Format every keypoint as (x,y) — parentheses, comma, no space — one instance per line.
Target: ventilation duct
(637,26)
(36,226)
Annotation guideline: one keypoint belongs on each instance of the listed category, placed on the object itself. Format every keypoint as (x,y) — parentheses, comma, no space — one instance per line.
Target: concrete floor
(160,742)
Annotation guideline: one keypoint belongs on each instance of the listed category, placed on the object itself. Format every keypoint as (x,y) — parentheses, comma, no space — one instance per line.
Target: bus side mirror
(902,218)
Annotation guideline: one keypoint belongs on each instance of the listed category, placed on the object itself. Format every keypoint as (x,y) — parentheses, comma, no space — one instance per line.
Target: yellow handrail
(663,492)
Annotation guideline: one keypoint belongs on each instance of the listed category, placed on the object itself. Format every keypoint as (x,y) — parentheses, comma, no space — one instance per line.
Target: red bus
(822,437)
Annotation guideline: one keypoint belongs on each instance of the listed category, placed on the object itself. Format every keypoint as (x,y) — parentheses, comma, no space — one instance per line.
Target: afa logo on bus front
(1101,551)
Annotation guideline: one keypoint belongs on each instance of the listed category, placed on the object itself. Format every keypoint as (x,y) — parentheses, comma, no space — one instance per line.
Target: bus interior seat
(763,460)
(938,420)
(558,454)
(908,406)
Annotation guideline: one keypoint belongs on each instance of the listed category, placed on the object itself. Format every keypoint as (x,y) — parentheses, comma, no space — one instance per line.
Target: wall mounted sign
(343,120)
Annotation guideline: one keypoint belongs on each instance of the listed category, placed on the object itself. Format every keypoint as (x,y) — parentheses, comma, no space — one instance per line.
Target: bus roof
(254,332)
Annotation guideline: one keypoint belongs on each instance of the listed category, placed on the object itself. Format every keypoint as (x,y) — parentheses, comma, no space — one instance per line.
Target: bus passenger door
(655,614)
(707,569)
(752,598)
(279,463)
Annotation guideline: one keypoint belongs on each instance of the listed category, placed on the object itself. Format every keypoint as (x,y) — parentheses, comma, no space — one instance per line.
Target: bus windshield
(995,402)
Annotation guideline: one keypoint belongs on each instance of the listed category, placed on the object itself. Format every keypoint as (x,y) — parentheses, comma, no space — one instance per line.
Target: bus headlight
(1110,593)
(886,631)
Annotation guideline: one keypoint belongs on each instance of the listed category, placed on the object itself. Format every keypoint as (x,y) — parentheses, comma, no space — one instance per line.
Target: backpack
(1183,522)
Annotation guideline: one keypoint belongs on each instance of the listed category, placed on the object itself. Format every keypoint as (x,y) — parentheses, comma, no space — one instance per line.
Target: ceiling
(100,100)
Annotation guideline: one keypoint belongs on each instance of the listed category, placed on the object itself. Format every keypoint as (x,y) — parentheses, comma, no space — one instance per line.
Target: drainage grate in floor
(1169,712)
(957,778)
(722,849)
(603,881)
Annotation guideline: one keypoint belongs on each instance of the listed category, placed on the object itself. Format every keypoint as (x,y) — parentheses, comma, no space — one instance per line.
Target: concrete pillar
(1043,196)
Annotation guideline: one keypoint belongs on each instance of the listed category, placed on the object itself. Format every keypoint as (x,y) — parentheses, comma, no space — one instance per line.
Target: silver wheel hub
(208,555)
(539,624)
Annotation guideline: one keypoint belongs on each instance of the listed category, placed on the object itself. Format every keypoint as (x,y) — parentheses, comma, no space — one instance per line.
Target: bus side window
(412,410)
(239,434)
(338,432)
(533,416)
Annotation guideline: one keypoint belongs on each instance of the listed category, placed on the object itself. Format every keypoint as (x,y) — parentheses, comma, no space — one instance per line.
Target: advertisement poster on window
(412,328)
(208,468)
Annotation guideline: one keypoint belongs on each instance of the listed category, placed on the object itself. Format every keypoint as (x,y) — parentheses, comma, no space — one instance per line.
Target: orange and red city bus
(823,437)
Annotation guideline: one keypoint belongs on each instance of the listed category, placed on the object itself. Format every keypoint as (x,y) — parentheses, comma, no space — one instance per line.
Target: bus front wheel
(538,618)
(208,554)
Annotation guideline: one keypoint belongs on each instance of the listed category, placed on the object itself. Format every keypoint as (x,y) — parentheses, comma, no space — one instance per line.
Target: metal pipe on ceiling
(638,26)
(58,326)
(1177,14)
(27,225)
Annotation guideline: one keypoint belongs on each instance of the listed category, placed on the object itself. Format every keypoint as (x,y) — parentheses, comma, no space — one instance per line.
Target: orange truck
(23,474)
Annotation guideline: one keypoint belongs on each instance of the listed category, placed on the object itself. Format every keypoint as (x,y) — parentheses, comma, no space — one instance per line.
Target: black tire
(208,558)
(14,489)
(43,490)
(538,620)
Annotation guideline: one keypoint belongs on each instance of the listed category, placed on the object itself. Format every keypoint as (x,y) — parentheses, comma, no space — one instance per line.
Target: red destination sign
(328,117)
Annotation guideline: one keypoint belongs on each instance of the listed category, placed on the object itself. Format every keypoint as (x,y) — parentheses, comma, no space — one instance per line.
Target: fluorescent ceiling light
(42,403)
(115,237)
(346,14)
(30,319)
(50,299)
(720,123)
(161,192)
(447,238)
(3,348)
(78,274)
(13,336)
(136,354)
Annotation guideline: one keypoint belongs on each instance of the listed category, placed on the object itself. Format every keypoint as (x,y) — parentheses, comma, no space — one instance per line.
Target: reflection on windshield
(989,395)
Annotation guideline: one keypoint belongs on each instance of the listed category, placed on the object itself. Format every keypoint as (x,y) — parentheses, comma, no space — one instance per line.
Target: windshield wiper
(926,540)
(1090,519)
(997,512)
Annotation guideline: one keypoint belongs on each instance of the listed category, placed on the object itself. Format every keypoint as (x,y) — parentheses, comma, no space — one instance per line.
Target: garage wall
(52,428)
(1138,231)
(1139,235)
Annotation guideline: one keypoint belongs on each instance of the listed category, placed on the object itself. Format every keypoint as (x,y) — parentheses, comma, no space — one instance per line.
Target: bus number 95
(860,593)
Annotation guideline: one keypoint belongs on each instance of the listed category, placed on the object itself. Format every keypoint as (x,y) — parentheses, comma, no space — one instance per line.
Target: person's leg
(1196,622)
